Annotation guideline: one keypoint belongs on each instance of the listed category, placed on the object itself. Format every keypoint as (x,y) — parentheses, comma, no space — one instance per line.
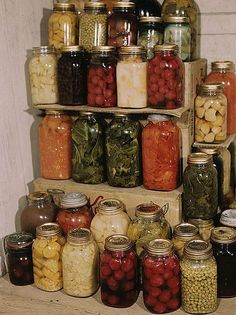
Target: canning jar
(109,219)
(18,248)
(43,75)
(198,278)
(88,156)
(161,277)
(102,77)
(132,77)
(161,140)
(55,145)
(210,114)
(80,263)
(228,218)
(165,78)
(200,187)
(56,195)
(204,227)
(123,146)
(47,249)
(119,272)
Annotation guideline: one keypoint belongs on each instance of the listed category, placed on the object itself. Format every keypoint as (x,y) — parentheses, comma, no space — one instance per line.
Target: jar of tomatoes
(161,140)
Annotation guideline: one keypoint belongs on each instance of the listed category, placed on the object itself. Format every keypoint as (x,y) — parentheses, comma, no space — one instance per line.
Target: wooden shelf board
(222,145)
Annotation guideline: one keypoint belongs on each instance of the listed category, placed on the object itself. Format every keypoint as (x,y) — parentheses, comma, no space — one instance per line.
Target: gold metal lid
(94,5)
(83,113)
(177,19)
(150,19)
(199,158)
(228,217)
(63,7)
(48,229)
(54,112)
(55,191)
(73,199)
(43,50)
(150,210)
(158,117)
(198,249)
(201,223)
(185,230)
(118,242)
(38,196)
(212,87)
(227,65)
(123,4)
(224,235)
(209,151)
(79,236)
(166,47)
(160,247)
(72,48)
(110,206)
(133,49)
(97,49)
(19,240)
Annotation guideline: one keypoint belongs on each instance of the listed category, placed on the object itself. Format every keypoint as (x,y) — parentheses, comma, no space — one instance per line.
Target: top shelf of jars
(221,145)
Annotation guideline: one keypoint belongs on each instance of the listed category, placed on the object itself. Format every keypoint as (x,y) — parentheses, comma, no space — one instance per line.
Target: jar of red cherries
(119,272)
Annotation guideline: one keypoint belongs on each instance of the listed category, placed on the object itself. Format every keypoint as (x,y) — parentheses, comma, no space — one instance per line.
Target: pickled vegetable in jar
(204,227)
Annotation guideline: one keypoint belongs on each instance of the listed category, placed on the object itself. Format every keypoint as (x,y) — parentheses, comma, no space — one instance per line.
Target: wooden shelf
(222,145)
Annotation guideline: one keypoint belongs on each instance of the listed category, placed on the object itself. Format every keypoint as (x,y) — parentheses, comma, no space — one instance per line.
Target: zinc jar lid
(63,7)
(185,230)
(72,48)
(99,49)
(110,206)
(166,47)
(160,247)
(150,210)
(223,235)
(228,217)
(218,65)
(198,249)
(150,19)
(38,196)
(199,158)
(212,87)
(209,151)
(123,4)
(133,49)
(54,112)
(73,199)
(158,117)
(118,242)
(79,236)
(19,240)
(177,19)
(43,50)
(48,229)
(201,223)
(94,5)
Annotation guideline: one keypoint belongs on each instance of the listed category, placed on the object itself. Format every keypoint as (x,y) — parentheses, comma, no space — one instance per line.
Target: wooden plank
(222,145)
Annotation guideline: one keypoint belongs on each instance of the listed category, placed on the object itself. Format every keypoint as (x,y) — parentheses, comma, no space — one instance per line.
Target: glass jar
(122,24)
(224,72)
(161,277)
(75,212)
(119,272)
(56,195)
(204,226)
(55,145)
(18,247)
(109,219)
(228,218)
(210,114)
(43,76)
(132,77)
(198,278)
(123,157)
(102,77)
(200,187)
(93,25)
(47,249)
(161,140)
(88,156)
(165,78)
(80,264)
(148,8)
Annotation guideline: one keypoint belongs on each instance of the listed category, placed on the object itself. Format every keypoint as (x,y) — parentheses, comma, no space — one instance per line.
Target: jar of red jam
(119,272)
(161,277)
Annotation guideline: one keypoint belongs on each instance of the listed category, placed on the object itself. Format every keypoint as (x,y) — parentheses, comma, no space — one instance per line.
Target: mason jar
(204,227)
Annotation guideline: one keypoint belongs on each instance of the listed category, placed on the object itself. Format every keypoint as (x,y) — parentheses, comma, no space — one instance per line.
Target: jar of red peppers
(161,153)
(161,277)
(119,272)
(166,78)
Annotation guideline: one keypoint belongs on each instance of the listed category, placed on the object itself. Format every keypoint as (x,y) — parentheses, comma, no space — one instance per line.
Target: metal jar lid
(39,196)
(72,48)
(118,242)
(201,223)
(73,199)
(198,249)
(54,112)
(123,4)
(158,117)
(110,206)
(133,49)
(199,158)
(19,240)
(212,87)
(150,210)
(79,236)
(209,151)
(48,229)
(222,65)
(94,5)
(223,235)
(150,19)
(165,47)
(102,49)
(177,19)
(228,217)
(185,231)
(43,50)
(160,247)
(63,7)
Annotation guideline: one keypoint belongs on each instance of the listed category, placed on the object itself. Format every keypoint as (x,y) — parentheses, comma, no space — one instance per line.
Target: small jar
(47,249)
(18,248)
(132,77)
(109,219)
(43,76)
(228,218)
(161,277)
(119,272)
(165,78)
(204,226)
(80,263)
(210,114)
(102,77)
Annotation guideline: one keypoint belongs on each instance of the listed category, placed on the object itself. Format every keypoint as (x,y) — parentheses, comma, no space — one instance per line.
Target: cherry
(173,282)
(105,258)
(170,105)
(128,285)
(149,262)
(113,300)
(91,99)
(154,87)
(99,99)
(165,296)
(175,290)
(114,264)
(127,264)
(95,79)
(173,304)
(168,274)
(159,308)
(150,300)
(105,271)
(153,78)
(101,72)
(154,291)
(104,296)
(108,93)
(102,84)
(156,281)
(170,263)
(112,283)
(171,95)
(168,74)
(130,275)
(152,100)
(119,274)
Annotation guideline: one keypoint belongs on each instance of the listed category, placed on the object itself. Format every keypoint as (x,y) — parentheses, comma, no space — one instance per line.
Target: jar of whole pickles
(43,75)
(119,272)
(123,146)
(102,77)
(55,145)
(80,263)
(204,227)
(165,78)
(47,249)
(161,277)
(210,114)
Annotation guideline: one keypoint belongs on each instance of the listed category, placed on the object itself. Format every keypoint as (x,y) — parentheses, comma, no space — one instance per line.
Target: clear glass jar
(161,140)
(123,146)
(102,77)
(56,195)
(204,226)
(80,264)
(43,76)
(119,272)
(55,145)
(165,78)
(210,114)
(161,277)
(132,77)
(228,218)
(109,219)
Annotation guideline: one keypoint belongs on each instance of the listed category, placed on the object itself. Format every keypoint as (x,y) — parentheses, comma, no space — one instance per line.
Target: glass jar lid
(198,249)
(94,5)
(177,19)
(150,210)
(228,217)
(39,196)
(150,19)
(165,47)
(110,206)
(133,49)
(218,65)
(63,7)
(19,240)
(100,49)
(223,235)
(185,231)
(211,87)
(73,199)
(79,236)
(158,117)
(118,242)
(201,223)
(72,48)
(43,50)
(160,247)
(199,158)
(48,229)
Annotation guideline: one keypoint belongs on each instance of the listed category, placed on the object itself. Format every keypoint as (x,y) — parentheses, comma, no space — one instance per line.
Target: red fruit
(95,80)
(127,265)
(164,89)
(170,263)
(154,87)
(173,304)
(159,267)
(156,281)
(91,73)
(104,296)
(90,88)
(112,86)
(163,64)
(150,300)
(112,283)
(148,273)
(154,291)
(105,258)
(105,271)
(159,97)
(149,262)
(97,90)
(130,275)
(165,296)
(128,286)
(167,274)
(161,82)
(113,300)
(99,99)
(101,72)
(177,270)
(131,255)
(91,99)
(173,64)
(175,290)
(158,70)
(159,308)
(171,95)
(118,255)
(110,79)
(102,84)
(152,100)
(118,275)
(172,84)
(156,60)
(173,282)
(114,264)
(150,68)
(108,93)
(168,74)
(111,101)
(153,78)
(170,105)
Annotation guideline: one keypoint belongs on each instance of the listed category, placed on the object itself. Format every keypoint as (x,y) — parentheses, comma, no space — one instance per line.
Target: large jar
(165,78)
(88,156)
(55,145)
(161,277)
(123,157)
(204,226)
(109,219)
(132,77)
(161,140)
(80,263)
(148,8)
(43,76)
(200,187)
(119,272)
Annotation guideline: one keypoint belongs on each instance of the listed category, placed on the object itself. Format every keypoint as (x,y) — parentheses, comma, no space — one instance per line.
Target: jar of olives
(204,227)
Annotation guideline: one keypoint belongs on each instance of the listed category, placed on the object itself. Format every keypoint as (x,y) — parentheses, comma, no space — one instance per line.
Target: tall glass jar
(55,145)
(161,277)
(123,158)
(43,76)
(80,264)
(165,78)
(161,140)
(102,77)
(132,77)
(204,226)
